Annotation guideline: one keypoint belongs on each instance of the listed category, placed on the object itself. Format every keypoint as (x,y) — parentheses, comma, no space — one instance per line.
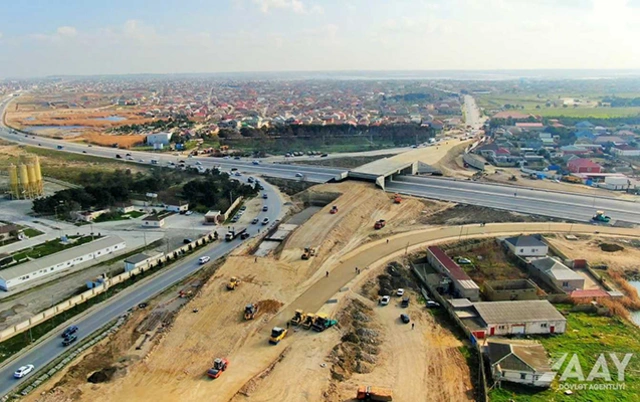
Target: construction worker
(413,325)
(327,274)
(256,259)
(356,270)
(387,241)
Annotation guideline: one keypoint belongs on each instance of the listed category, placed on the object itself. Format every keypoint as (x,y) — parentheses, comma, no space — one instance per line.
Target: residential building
(140,261)
(531,126)
(64,260)
(6,231)
(527,246)
(574,150)
(524,317)
(582,165)
(213,218)
(125,207)
(153,221)
(557,274)
(158,139)
(522,362)
(585,125)
(625,150)
(464,286)
(177,207)
(613,139)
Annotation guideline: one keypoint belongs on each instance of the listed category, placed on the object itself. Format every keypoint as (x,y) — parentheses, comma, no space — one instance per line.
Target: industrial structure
(25,179)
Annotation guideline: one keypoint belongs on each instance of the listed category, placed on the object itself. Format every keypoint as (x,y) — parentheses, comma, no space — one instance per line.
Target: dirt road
(432,154)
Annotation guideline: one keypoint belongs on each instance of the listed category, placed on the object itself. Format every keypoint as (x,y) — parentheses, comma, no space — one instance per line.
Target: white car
(204,259)
(198,163)
(188,213)
(384,300)
(24,370)
(400,292)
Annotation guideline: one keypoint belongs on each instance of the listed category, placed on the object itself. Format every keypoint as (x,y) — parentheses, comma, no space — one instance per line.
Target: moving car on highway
(204,259)
(24,370)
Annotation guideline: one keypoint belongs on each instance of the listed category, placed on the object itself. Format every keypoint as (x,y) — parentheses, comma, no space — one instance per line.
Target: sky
(86,37)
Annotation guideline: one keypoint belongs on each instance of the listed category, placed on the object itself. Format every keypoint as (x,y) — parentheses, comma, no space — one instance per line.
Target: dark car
(118,156)
(255,220)
(324,155)
(405,318)
(265,208)
(69,340)
(187,241)
(70,331)
(237,158)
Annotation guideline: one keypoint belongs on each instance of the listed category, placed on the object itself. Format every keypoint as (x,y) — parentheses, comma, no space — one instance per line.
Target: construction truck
(397,199)
(374,394)
(219,365)
(323,322)
(601,217)
(298,318)
(277,334)
(379,224)
(334,210)
(308,253)
(250,311)
(572,179)
(233,233)
(308,321)
(233,283)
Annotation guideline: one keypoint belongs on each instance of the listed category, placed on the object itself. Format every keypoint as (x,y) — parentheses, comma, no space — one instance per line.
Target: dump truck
(233,283)
(334,210)
(374,394)
(397,199)
(298,318)
(233,233)
(308,321)
(601,217)
(379,224)
(308,253)
(219,365)
(277,334)
(323,322)
(250,311)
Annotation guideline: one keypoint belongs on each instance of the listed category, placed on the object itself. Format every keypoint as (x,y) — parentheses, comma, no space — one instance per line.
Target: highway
(547,203)
(101,314)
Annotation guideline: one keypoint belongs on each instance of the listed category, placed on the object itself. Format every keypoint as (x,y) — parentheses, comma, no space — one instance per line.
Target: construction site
(301,323)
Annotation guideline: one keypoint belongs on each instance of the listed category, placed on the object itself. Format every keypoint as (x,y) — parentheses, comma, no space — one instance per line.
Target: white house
(152,221)
(556,273)
(522,362)
(176,207)
(625,150)
(140,261)
(519,317)
(527,246)
(55,263)
(158,138)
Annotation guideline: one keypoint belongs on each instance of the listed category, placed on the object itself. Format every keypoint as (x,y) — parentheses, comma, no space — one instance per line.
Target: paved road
(518,199)
(101,314)
(472,113)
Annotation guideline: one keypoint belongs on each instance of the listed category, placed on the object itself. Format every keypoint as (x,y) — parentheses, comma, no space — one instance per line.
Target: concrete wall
(91,293)
(524,289)
(226,213)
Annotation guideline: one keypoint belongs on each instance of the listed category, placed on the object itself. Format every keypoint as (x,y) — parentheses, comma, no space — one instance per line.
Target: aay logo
(599,371)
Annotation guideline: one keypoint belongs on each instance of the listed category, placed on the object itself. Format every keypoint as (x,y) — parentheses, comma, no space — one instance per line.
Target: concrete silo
(14,184)
(23,177)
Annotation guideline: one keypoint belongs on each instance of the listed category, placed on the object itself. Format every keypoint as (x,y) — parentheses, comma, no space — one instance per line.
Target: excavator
(397,199)
(323,322)
(233,283)
(308,321)
(250,311)
(308,253)
(298,318)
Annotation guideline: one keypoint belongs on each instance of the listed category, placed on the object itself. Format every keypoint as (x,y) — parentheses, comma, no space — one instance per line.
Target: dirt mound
(610,247)
(358,350)
(104,375)
(269,306)
(395,276)
(466,214)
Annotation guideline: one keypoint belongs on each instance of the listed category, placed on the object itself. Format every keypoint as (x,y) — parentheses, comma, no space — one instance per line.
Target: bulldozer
(308,253)
(323,322)
(308,321)
(233,283)
(250,311)
(397,199)
(277,334)
(298,318)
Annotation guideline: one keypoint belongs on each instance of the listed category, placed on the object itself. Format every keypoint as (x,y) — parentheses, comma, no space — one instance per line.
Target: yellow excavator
(233,283)
(308,253)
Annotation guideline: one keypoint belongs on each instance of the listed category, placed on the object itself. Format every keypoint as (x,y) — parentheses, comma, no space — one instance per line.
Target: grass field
(588,336)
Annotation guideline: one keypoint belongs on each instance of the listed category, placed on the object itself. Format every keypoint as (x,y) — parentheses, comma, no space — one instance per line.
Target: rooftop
(57,258)
(556,269)
(517,312)
(525,241)
(519,355)
(454,269)
(134,259)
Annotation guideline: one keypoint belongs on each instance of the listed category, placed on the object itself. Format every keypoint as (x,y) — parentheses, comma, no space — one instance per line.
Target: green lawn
(588,336)
(50,247)
(31,232)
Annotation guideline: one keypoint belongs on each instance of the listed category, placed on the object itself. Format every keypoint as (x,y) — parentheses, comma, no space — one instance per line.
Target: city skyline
(195,36)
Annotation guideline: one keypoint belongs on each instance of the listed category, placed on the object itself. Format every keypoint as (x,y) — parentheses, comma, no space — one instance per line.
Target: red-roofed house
(625,150)
(581,165)
(589,294)
(464,286)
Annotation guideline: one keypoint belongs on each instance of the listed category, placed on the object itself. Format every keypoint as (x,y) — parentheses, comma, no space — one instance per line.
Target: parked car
(24,370)
(204,259)
(464,261)
(235,219)
(324,155)
(400,292)
(405,318)
(70,331)
(237,158)
(384,300)
(187,241)
(198,163)
(118,156)
(188,213)
(238,174)
(69,340)
(256,162)
(265,221)
(432,304)
(255,220)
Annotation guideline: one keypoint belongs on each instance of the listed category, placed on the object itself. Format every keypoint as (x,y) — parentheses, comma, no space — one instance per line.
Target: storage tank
(13,181)
(31,172)
(39,183)
(24,181)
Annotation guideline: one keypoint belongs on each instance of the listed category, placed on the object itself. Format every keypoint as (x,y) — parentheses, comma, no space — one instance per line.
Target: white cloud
(67,31)
(297,6)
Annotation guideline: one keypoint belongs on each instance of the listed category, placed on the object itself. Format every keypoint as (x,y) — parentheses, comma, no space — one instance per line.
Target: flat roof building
(464,286)
(21,274)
